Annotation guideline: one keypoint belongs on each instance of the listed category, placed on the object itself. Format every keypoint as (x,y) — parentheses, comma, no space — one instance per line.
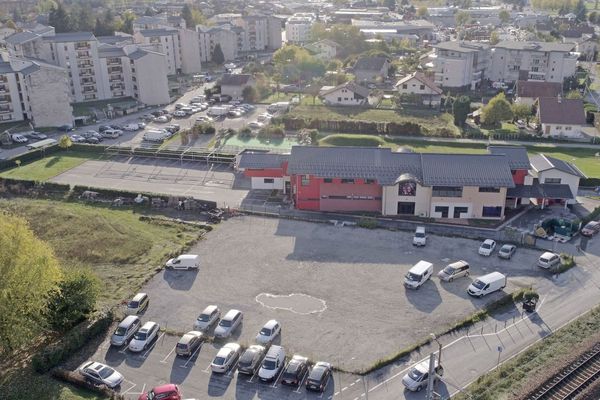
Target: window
(407,189)
(442,210)
(405,86)
(327,180)
(269,180)
(447,191)
(460,210)
(559,128)
(492,212)
(339,99)
(406,208)
(347,180)
(369,181)
(422,87)
(489,190)
(554,181)
(305,180)
(568,128)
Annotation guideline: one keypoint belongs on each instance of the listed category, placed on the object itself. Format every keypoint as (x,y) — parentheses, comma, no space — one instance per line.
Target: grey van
(125,330)
(455,270)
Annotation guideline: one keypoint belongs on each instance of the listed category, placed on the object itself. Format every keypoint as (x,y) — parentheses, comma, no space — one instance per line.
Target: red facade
(519,176)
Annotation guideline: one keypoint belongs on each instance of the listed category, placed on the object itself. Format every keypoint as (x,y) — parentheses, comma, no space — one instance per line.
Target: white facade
(460,64)
(344,97)
(412,85)
(209,37)
(165,41)
(190,51)
(268,183)
(562,130)
(151,85)
(297,28)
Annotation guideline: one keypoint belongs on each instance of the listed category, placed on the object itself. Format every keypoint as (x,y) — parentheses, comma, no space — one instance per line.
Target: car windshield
(478,284)
(269,364)
(140,336)
(545,260)
(225,323)
(413,277)
(505,249)
(204,317)
(419,234)
(449,270)
(486,246)
(219,360)
(106,372)
(265,332)
(120,331)
(133,304)
(415,374)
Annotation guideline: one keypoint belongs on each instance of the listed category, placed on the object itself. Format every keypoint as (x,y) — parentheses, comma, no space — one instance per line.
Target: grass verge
(51,166)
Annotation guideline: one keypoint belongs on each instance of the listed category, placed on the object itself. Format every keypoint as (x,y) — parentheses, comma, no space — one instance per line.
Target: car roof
(592,223)
(507,245)
(209,309)
(138,296)
(491,276)
(169,387)
(228,348)
(420,267)
(547,254)
(185,339)
(148,325)
(490,241)
(270,324)
(423,366)
(458,264)
(128,320)
(188,256)
(231,314)
(274,351)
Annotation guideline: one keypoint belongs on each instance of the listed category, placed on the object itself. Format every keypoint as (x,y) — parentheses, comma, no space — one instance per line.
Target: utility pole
(431,377)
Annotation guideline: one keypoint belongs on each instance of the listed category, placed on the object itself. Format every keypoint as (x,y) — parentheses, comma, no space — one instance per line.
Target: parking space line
(208,367)
(301,382)
(281,373)
(164,360)
(190,358)
(153,345)
(131,388)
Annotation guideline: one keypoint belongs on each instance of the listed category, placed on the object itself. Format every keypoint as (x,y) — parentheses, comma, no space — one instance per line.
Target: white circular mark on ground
(298,303)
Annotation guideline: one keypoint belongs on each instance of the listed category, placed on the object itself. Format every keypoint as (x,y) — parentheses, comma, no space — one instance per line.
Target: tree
(74,299)
(593,17)
(59,19)
(82,19)
(422,12)
(65,142)
(105,26)
(521,111)
(30,274)
(496,111)
(218,57)
(125,24)
(580,10)
(11,24)
(250,94)
(574,94)
(462,18)
(460,110)
(186,14)
(494,38)
(504,16)
(391,4)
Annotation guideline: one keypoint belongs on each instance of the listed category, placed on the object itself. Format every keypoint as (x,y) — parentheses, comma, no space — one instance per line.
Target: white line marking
(164,360)
(153,345)
(134,385)
(279,376)
(301,382)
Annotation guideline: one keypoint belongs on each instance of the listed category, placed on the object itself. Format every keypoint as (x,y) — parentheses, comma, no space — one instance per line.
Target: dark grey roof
(542,162)
(564,112)
(486,170)
(158,32)
(351,86)
(5,67)
(516,155)
(262,160)
(70,37)
(538,89)
(235,79)
(536,46)
(137,54)
(463,47)
(20,37)
(541,190)
(106,50)
(115,39)
(369,63)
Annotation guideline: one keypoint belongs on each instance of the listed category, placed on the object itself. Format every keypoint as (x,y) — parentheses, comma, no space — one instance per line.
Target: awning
(541,190)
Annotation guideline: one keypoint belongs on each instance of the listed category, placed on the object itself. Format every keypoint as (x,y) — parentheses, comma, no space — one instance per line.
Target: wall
(190,51)
(560,130)
(565,179)
(359,196)
(347,98)
(305,197)
(151,75)
(456,72)
(471,198)
(259,183)
(421,199)
(519,176)
(49,97)
(15,105)
(264,173)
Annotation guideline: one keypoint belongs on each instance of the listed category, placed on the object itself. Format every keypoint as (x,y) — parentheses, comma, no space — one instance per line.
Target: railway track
(573,379)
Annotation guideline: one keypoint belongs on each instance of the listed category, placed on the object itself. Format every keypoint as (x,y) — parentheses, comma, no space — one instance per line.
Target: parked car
(251,360)
(180,105)
(103,128)
(189,343)
(319,377)
(18,138)
(487,247)
(226,358)
(138,304)
(295,370)
(521,124)
(268,332)
(229,323)
(487,284)
(507,251)
(77,138)
(91,140)
(454,271)
(207,318)
(591,228)
(163,392)
(144,336)
(173,128)
(420,238)
(184,261)
(132,127)
(272,364)
(177,114)
(417,377)
(111,133)
(418,275)
(164,118)
(255,125)
(38,135)
(94,134)
(66,128)
(204,118)
(100,374)
(548,260)
(125,330)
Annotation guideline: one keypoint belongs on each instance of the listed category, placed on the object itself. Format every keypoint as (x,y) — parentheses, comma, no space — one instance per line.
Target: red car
(164,392)
(591,228)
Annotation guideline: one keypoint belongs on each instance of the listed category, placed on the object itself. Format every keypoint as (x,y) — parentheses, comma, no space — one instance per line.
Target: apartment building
(540,61)
(297,28)
(180,46)
(461,64)
(34,91)
(209,37)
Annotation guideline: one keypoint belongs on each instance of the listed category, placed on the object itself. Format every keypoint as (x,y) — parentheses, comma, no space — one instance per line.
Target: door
(442,210)
(406,208)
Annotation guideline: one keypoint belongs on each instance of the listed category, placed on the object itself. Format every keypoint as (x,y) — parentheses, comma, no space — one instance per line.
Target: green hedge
(590,182)
(74,340)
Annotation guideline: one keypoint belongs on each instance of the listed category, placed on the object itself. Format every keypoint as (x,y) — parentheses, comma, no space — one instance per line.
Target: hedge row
(48,187)
(79,189)
(590,182)
(74,340)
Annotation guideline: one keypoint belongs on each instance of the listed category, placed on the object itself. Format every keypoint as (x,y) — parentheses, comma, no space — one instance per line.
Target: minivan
(417,377)
(184,261)
(420,239)
(548,260)
(487,284)
(272,364)
(138,304)
(418,274)
(455,270)
(144,336)
(229,323)
(125,330)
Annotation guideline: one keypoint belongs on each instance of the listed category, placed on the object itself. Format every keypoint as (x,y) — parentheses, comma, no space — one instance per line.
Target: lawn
(50,166)
(29,385)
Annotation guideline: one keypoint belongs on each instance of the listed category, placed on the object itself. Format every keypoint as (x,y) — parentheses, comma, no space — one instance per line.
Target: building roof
(543,162)
(462,47)
(158,32)
(516,155)
(70,37)
(541,190)
(115,39)
(351,86)
(370,63)
(138,53)
(553,110)
(20,37)
(421,78)
(260,160)
(235,79)
(536,46)
(537,89)
(107,50)
(486,170)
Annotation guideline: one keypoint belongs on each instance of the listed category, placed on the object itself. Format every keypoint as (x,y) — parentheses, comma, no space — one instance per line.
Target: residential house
(165,41)
(268,169)
(561,117)
(371,69)
(419,85)
(234,84)
(461,64)
(297,28)
(346,94)
(527,92)
(554,175)
(323,49)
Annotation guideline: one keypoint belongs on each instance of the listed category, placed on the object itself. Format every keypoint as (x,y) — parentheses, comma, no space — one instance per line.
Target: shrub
(271,132)
(367,223)
(566,263)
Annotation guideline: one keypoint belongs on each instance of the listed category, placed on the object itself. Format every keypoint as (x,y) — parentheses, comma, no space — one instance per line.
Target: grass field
(49,167)
(30,385)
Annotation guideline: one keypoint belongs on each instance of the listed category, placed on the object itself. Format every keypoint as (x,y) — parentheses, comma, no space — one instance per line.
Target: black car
(92,140)
(251,359)
(157,113)
(319,377)
(295,371)
(117,127)
(66,128)
(103,128)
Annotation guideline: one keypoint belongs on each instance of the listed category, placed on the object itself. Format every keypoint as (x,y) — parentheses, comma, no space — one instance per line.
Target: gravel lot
(342,297)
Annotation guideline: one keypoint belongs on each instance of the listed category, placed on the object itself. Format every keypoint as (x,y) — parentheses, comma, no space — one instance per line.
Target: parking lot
(337,291)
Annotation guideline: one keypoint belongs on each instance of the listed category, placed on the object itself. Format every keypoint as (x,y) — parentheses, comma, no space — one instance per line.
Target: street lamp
(433,337)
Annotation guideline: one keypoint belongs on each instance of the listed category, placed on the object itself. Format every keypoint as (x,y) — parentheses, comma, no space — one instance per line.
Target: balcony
(86,72)
(82,46)
(116,78)
(84,54)
(5,110)
(3,89)
(4,99)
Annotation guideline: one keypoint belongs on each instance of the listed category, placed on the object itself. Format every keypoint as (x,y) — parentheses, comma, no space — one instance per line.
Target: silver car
(507,251)
(229,323)
(455,270)
(207,318)
(100,374)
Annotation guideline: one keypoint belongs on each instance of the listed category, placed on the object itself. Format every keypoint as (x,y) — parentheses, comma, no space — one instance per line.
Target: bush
(566,263)
(272,132)
(367,223)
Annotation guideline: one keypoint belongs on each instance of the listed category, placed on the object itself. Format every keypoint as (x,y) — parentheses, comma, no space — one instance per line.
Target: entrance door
(406,208)
(442,210)
(460,210)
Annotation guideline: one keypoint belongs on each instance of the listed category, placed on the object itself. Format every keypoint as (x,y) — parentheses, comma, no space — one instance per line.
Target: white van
(417,377)
(184,261)
(272,364)
(418,274)
(420,239)
(138,304)
(487,284)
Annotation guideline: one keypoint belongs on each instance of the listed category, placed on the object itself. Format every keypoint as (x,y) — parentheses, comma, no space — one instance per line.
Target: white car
(487,247)
(100,374)
(111,133)
(268,332)
(164,118)
(226,358)
(142,338)
(77,138)
(17,138)
(38,135)
(180,105)
(178,114)
(131,127)
(229,323)
(255,125)
(207,318)
(204,118)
